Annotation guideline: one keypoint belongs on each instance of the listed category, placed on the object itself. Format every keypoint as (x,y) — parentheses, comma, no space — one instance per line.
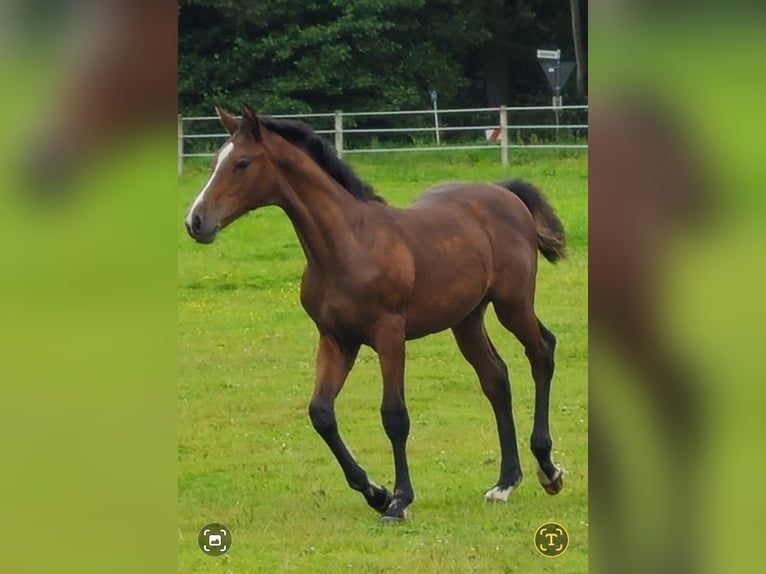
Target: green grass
(248,457)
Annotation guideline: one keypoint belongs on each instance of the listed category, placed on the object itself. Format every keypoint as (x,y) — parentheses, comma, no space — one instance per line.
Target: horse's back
(468,241)
(467,208)
(479,198)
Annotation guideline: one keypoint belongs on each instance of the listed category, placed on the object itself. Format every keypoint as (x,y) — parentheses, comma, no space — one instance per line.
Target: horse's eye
(242,164)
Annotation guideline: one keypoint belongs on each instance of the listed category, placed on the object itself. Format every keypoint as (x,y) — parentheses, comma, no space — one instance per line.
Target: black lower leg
(510,468)
(541,446)
(322,416)
(541,360)
(396,422)
(549,337)
(498,391)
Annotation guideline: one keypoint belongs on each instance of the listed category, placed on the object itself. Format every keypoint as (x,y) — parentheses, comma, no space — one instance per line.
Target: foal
(377,275)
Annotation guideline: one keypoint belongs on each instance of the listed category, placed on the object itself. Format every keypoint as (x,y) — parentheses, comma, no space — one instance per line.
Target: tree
(293,56)
(577,40)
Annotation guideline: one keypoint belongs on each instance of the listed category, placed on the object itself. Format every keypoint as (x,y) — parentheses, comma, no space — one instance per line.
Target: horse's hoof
(395,513)
(551,485)
(500,494)
(379,499)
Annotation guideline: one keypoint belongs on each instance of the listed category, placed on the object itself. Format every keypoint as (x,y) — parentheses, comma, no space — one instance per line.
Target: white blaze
(225,152)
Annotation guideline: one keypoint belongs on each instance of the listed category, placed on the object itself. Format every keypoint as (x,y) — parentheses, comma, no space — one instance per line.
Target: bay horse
(377,275)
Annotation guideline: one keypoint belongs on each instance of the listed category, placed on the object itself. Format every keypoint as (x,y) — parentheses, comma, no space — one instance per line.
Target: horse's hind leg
(389,343)
(539,345)
(333,365)
(476,347)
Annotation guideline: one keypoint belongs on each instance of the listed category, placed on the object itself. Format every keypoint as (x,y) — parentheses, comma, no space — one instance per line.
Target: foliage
(293,56)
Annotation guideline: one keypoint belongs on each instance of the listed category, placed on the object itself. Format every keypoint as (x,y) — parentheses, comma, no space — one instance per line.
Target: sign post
(434,97)
(557,73)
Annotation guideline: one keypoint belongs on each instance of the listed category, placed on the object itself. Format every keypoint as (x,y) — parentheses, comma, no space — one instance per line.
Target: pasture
(249,458)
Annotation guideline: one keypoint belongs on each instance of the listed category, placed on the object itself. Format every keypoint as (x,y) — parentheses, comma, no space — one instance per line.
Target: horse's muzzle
(197,230)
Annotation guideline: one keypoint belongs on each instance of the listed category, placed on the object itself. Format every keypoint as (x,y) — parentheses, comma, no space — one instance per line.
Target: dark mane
(302,135)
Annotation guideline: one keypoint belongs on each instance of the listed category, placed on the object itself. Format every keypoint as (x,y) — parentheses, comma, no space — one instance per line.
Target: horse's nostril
(196,223)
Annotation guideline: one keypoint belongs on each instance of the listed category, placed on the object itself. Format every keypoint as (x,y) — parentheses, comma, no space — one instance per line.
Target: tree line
(361,55)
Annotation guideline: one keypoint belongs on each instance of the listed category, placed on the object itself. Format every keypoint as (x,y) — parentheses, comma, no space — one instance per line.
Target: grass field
(248,457)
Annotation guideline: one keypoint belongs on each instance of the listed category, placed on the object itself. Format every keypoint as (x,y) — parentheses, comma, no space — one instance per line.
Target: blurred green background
(87,335)
(703,66)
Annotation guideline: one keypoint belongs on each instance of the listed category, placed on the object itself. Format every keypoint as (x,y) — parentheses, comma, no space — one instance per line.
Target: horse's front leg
(389,344)
(334,361)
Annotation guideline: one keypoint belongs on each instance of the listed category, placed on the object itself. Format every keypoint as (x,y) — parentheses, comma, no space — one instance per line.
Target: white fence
(499,131)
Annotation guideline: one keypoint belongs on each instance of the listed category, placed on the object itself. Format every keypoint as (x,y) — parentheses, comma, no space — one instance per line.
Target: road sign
(549,54)
(557,73)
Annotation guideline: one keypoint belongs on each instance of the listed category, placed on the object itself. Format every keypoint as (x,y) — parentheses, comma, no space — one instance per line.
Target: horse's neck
(320,209)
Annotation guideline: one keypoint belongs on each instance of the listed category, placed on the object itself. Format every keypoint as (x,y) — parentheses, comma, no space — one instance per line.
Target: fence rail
(496,134)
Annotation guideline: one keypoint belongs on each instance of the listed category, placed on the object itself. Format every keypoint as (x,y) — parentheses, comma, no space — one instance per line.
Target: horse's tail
(550,231)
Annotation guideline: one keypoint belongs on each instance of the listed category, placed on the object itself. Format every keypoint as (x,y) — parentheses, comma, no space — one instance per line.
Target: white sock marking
(497,493)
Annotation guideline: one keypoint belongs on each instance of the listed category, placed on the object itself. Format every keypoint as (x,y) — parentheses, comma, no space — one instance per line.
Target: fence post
(180,145)
(339,133)
(504,136)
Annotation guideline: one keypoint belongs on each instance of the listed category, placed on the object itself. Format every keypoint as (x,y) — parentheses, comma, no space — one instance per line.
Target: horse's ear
(228,121)
(250,118)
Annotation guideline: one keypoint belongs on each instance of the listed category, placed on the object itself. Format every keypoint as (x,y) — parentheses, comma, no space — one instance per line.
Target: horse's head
(243,178)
